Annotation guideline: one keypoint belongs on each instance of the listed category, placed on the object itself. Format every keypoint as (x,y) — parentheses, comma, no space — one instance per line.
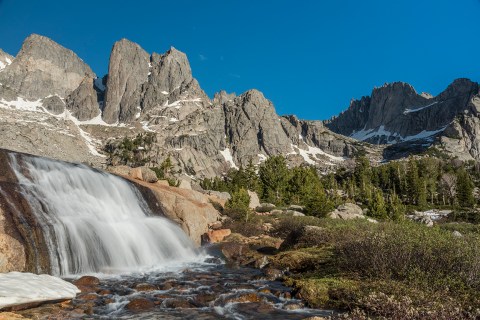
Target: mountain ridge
(205,137)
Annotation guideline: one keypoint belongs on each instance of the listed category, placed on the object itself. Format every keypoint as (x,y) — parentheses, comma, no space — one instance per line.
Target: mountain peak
(44,67)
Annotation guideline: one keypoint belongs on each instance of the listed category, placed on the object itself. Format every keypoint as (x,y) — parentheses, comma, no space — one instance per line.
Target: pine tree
(274,175)
(396,209)
(465,196)
(377,207)
(413,184)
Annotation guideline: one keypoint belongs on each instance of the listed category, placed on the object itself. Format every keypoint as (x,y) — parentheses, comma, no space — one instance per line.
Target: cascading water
(97,222)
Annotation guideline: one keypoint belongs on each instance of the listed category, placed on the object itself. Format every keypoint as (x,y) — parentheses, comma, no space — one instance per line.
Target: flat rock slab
(17,288)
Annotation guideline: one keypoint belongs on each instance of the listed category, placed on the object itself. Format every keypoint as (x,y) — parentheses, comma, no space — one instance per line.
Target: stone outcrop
(43,68)
(83,101)
(347,211)
(143,174)
(253,127)
(191,209)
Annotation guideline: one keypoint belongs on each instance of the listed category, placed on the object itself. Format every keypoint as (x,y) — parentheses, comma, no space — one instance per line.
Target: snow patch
(262,157)
(137,115)
(313,152)
(21,104)
(19,288)
(173,120)
(145,126)
(410,110)
(366,134)
(423,135)
(165,92)
(178,104)
(228,157)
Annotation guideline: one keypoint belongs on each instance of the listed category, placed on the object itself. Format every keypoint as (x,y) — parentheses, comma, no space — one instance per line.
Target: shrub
(413,253)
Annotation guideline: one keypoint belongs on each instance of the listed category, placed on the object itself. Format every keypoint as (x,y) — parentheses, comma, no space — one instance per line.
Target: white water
(97,222)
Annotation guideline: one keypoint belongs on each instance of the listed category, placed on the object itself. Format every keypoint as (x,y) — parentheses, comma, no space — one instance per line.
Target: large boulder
(347,211)
(144,174)
(215,236)
(191,209)
(305,237)
(254,200)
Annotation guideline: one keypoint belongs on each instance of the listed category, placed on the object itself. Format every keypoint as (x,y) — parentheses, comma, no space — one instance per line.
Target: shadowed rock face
(83,101)
(22,246)
(43,68)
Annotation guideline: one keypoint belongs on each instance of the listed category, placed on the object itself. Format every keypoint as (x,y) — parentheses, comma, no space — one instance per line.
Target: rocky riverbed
(208,290)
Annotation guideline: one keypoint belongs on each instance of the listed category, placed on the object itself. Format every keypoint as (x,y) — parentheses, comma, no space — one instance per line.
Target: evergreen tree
(274,176)
(464,189)
(377,207)
(412,181)
(396,209)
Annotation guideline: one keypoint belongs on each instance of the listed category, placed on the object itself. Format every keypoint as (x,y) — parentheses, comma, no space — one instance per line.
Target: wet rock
(87,281)
(167,285)
(215,236)
(140,304)
(204,299)
(272,274)
(145,287)
(244,297)
(88,296)
(104,292)
(178,303)
(87,284)
(294,306)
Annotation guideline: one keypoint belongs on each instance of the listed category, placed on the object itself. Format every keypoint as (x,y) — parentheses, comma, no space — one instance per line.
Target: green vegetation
(132,152)
(383,270)
(394,269)
(388,190)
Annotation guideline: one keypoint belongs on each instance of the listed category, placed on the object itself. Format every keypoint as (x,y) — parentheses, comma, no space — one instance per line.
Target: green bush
(413,253)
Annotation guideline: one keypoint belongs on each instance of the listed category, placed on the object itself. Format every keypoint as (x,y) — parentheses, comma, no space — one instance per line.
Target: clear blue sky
(309,57)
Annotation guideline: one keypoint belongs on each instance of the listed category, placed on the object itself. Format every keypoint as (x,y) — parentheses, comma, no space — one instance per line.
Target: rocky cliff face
(397,113)
(49,89)
(43,68)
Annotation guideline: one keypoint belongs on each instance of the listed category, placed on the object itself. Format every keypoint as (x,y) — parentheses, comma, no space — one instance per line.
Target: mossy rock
(336,293)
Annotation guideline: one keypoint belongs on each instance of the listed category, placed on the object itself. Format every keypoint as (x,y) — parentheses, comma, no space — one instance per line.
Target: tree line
(387,190)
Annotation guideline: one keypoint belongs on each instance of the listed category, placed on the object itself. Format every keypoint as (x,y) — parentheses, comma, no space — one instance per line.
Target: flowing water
(97,223)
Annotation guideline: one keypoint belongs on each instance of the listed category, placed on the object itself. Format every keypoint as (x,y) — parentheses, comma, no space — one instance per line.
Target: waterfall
(97,222)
